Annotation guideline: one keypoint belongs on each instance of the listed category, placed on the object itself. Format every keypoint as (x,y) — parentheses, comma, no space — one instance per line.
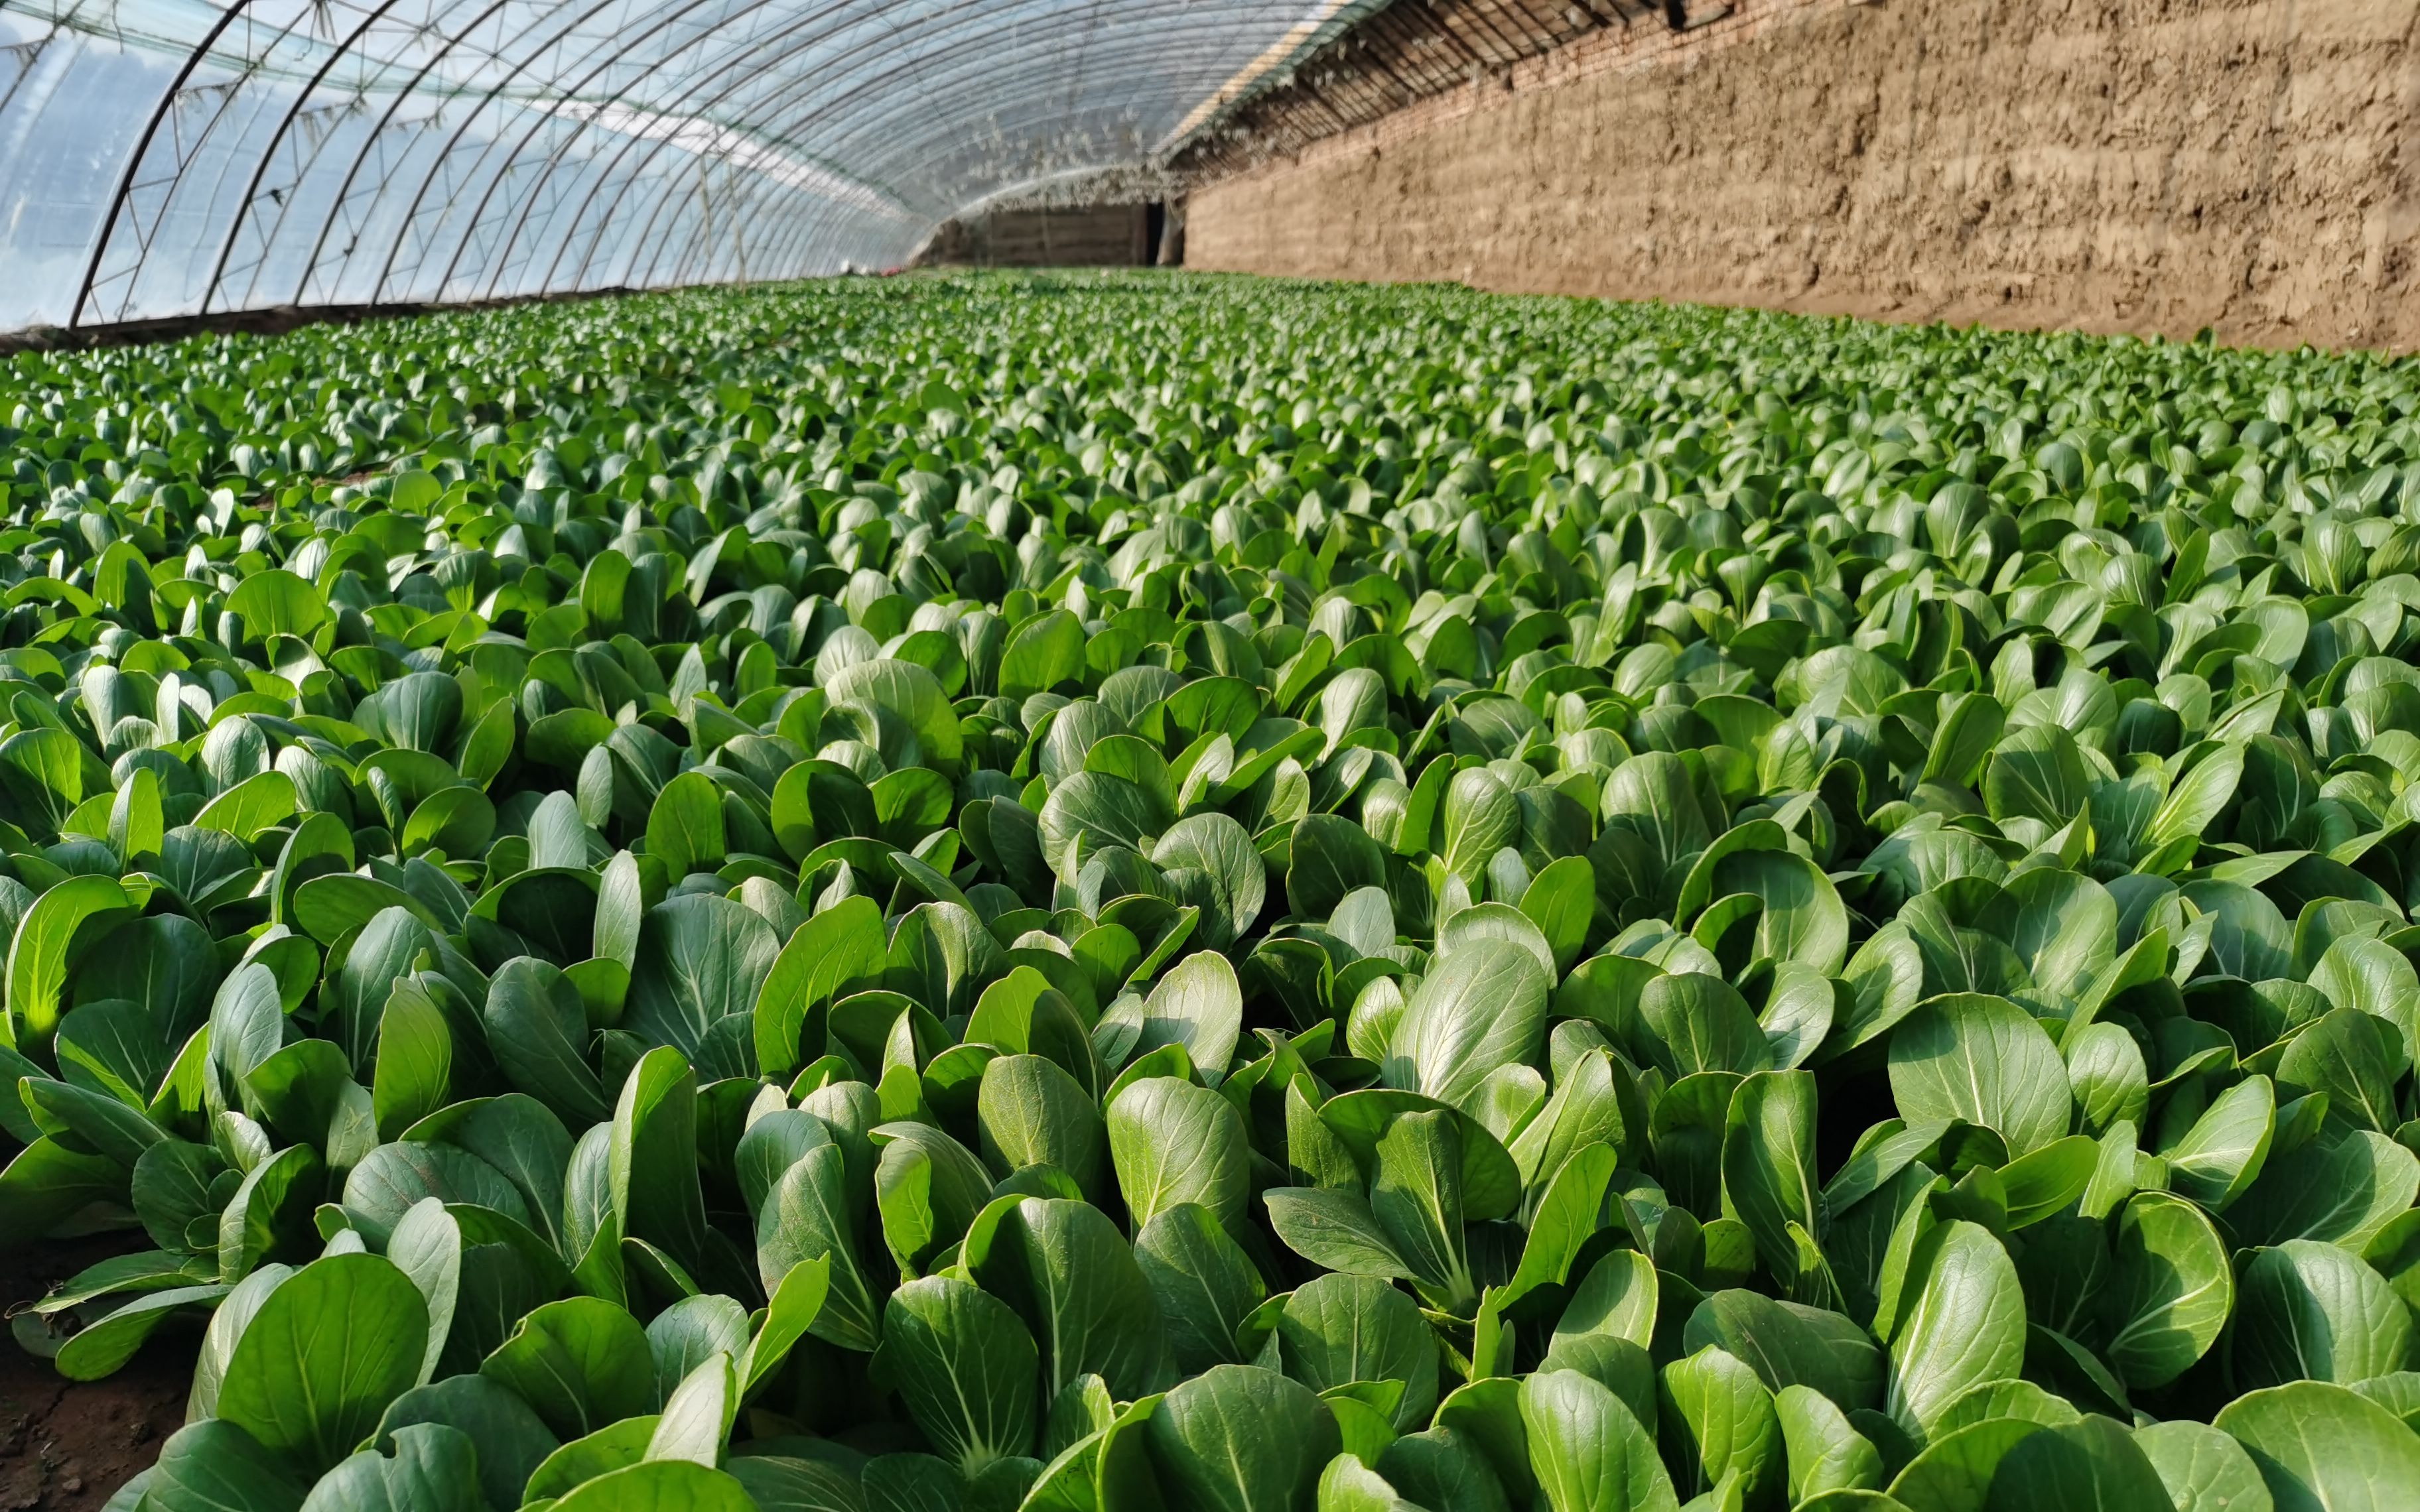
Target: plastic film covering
(171,158)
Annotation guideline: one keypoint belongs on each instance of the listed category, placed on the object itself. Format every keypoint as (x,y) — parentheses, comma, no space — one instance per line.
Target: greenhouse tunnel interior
(172,159)
(2126,167)
(1209,755)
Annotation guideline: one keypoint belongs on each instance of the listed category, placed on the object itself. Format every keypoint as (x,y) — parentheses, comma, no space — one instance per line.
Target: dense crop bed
(1104,895)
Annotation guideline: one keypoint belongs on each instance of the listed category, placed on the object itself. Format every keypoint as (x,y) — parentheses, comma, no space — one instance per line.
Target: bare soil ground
(68,1446)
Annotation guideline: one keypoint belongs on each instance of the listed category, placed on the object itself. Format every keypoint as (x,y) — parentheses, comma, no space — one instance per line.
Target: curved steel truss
(171,158)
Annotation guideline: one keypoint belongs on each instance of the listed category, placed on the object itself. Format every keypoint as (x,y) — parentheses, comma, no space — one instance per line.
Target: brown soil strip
(68,1446)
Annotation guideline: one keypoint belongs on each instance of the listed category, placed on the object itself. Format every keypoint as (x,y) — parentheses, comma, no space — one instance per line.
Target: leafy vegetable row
(1076,895)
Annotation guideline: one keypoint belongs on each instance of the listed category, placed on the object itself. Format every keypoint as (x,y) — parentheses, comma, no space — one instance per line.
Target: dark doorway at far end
(1091,235)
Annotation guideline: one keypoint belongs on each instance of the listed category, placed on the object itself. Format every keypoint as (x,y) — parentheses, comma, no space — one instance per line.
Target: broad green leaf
(700,959)
(807,1216)
(696,1415)
(655,1190)
(1963,1324)
(1825,1453)
(63,922)
(658,1486)
(1700,1023)
(1586,1451)
(1720,1419)
(2203,1469)
(1985,1060)
(510,1440)
(1620,1297)
(433,1467)
(2321,1446)
(1332,858)
(1482,1011)
(840,947)
(213,1462)
(320,1363)
(1789,1343)
(1074,1280)
(2169,1290)
(2224,1152)
(2356,1058)
(1958,1467)
(685,826)
(1769,1161)
(1172,1142)
(415,1060)
(1335,1330)
(2341,1188)
(1239,1439)
(928,1189)
(2093,1461)
(967,1368)
(1042,653)
(1031,1112)
(581,1362)
(427,1246)
(2310,1311)
(1197,1004)
(1205,1283)
(102,1347)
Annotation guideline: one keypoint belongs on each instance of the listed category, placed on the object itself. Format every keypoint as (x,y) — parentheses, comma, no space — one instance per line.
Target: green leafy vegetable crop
(1144,893)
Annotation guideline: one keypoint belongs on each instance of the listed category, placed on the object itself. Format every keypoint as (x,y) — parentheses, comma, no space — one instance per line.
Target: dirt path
(66,1445)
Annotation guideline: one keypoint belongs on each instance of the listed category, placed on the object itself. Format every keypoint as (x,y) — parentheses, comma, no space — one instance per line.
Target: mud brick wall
(2145,165)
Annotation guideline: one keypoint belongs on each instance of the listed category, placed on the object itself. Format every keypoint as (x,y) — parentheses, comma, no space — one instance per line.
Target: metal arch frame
(254,66)
(656,150)
(1151,42)
(454,139)
(37,46)
(572,232)
(261,167)
(610,52)
(801,226)
(58,24)
(629,43)
(812,240)
(993,61)
(833,9)
(246,211)
(370,142)
(805,234)
(754,121)
(815,244)
(1082,49)
(805,249)
(664,191)
(1112,56)
(855,87)
(745,123)
(142,148)
(515,157)
(808,233)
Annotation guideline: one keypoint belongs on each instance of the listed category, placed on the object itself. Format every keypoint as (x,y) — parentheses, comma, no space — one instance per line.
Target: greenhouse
(175,157)
(1437,756)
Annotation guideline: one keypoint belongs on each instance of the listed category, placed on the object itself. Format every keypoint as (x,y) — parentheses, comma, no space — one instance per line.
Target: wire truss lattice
(174,158)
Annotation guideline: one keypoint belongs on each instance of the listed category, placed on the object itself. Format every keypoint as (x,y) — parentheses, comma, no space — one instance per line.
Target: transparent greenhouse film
(164,157)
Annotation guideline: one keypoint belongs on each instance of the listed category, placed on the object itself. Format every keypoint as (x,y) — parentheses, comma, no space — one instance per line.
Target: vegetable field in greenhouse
(1161,894)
